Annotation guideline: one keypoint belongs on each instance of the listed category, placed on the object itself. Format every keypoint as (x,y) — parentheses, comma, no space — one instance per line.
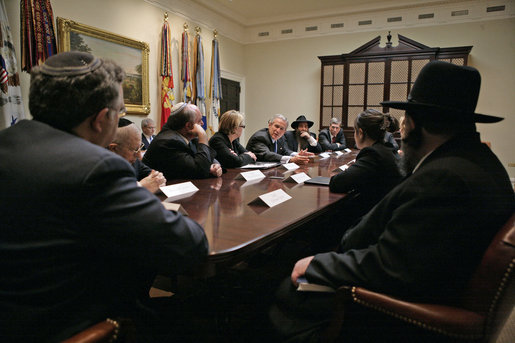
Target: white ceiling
(257,12)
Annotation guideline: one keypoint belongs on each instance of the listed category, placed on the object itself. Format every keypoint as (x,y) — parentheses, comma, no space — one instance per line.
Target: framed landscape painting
(130,54)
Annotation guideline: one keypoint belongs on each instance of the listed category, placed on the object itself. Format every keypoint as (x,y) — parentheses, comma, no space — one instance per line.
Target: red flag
(166,72)
(166,98)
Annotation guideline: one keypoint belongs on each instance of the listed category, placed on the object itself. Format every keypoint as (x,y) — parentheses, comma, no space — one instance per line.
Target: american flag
(3,72)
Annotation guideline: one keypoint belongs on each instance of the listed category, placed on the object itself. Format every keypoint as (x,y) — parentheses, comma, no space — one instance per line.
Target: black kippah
(70,63)
(122,122)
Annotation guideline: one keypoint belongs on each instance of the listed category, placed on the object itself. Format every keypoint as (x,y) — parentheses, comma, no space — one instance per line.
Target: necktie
(334,139)
(275,146)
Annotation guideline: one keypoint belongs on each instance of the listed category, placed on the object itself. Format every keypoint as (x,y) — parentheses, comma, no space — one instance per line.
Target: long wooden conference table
(237,228)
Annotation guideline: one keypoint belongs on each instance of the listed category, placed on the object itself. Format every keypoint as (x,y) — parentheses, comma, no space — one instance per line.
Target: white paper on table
(273,198)
(251,182)
(251,175)
(298,178)
(290,166)
(172,206)
(347,150)
(180,189)
(324,155)
(338,153)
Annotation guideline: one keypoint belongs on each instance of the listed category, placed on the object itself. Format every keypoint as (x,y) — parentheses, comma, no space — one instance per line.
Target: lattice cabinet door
(332,92)
(371,74)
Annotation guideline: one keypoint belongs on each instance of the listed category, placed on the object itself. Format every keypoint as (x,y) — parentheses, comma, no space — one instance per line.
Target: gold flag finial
(215,33)
(185,26)
(166,16)
(197,29)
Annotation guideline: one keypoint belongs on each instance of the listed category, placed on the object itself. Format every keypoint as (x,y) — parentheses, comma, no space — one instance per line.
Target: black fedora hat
(301,119)
(445,88)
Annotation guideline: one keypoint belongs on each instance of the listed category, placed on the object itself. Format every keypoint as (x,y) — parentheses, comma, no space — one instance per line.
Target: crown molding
(324,22)
(193,12)
(375,6)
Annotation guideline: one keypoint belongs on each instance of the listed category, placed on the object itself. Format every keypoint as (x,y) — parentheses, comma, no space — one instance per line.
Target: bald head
(127,142)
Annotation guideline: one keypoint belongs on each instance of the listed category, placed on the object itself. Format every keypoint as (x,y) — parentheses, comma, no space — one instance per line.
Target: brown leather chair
(103,332)
(484,307)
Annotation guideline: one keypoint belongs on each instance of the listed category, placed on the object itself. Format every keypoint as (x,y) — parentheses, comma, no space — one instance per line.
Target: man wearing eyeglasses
(181,150)
(127,143)
(147,136)
(80,241)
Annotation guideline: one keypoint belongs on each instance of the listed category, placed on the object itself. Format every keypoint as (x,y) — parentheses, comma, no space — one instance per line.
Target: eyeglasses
(139,149)
(121,112)
(242,126)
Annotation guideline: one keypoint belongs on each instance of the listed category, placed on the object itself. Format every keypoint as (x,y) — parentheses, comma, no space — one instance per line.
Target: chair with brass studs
(487,302)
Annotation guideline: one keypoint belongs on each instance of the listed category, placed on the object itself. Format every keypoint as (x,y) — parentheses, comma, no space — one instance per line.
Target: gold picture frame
(130,54)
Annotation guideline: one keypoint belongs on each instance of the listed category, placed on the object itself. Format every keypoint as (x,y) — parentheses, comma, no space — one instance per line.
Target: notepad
(319,180)
(305,286)
(261,165)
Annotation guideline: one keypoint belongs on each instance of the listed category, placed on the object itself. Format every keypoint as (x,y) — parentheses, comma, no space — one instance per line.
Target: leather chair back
(486,304)
(491,290)
(103,332)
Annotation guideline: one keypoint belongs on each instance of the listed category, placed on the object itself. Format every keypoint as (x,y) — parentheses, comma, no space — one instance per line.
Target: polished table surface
(236,229)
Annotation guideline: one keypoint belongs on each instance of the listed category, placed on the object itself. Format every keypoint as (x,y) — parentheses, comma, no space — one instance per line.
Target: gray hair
(65,101)
(280,116)
(335,120)
(123,134)
(146,122)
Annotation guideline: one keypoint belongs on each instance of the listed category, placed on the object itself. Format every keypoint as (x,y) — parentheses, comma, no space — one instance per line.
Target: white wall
(284,76)
(140,21)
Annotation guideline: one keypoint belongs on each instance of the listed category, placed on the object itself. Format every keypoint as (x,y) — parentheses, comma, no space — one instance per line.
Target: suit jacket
(170,154)
(423,240)
(141,170)
(79,239)
(389,138)
(145,141)
(325,140)
(373,175)
(291,140)
(222,145)
(261,145)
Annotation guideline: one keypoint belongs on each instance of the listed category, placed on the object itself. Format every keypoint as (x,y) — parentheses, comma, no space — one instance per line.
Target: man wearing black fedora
(300,138)
(270,145)
(424,239)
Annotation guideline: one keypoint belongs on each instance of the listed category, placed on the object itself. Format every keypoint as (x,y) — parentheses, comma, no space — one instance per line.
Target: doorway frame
(241,80)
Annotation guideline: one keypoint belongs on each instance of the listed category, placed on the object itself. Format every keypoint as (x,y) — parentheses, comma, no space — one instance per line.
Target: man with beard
(300,138)
(181,149)
(425,238)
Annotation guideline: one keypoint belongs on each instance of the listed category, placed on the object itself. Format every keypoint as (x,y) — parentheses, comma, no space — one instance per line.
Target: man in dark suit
(332,139)
(180,150)
(269,144)
(147,136)
(127,143)
(79,240)
(300,138)
(425,238)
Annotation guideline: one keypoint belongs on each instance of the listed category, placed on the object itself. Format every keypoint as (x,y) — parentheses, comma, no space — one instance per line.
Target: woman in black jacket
(375,171)
(229,152)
